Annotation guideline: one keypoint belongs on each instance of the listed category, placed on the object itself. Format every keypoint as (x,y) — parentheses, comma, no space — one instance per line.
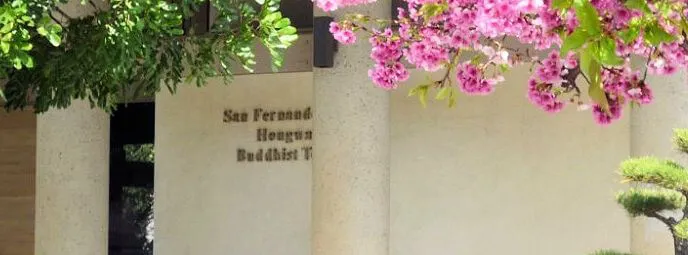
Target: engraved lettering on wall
(275,143)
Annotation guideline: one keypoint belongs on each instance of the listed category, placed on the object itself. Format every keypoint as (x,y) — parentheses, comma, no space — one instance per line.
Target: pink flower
(472,82)
(427,54)
(388,76)
(603,117)
(331,5)
(327,5)
(342,35)
(551,69)
(641,94)
(541,95)
(571,61)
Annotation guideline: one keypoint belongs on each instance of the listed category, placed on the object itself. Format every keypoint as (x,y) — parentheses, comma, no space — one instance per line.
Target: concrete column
(72,181)
(351,153)
(651,135)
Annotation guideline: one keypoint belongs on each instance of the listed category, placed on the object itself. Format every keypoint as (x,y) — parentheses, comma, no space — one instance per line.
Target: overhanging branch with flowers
(588,45)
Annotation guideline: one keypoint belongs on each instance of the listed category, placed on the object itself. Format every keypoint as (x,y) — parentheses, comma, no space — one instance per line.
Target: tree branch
(55,19)
(685,208)
(649,57)
(586,78)
(63,13)
(669,221)
(94,5)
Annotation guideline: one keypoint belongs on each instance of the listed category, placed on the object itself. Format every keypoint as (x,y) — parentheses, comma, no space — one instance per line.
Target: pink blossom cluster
(331,5)
(482,28)
(624,83)
(669,58)
(428,53)
(342,34)
(388,71)
(611,113)
(620,85)
(472,80)
(545,81)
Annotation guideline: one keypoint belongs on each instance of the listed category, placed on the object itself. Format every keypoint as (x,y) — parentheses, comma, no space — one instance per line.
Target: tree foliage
(143,153)
(664,173)
(664,189)
(131,48)
(639,202)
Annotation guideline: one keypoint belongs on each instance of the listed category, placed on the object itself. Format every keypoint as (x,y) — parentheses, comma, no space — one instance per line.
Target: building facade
(318,161)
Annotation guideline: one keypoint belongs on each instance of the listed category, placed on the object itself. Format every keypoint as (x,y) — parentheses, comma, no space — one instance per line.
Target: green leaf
(5,47)
(422,96)
(45,20)
(684,25)
(452,99)
(593,71)
(415,90)
(476,59)
(638,5)
(443,93)
(17,63)
(607,53)
(289,38)
(430,10)
(574,41)
(588,17)
(282,23)
(25,46)
(630,34)
(177,31)
(503,68)
(7,27)
(422,92)
(42,31)
(586,59)
(655,34)
(289,30)
(54,39)
(561,4)
(272,17)
(2,95)
(261,2)
(28,61)
(664,8)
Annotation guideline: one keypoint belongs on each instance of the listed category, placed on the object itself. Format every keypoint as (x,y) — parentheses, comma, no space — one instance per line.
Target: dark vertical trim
(324,45)
(199,23)
(203,18)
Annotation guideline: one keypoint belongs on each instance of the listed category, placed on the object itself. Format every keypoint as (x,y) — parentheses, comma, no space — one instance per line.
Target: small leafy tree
(664,188)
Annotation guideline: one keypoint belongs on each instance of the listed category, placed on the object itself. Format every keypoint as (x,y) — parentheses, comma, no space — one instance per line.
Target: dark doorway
(132,129)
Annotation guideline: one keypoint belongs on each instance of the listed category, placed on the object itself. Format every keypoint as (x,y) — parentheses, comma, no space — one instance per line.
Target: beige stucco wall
(494,175)
(208,203)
